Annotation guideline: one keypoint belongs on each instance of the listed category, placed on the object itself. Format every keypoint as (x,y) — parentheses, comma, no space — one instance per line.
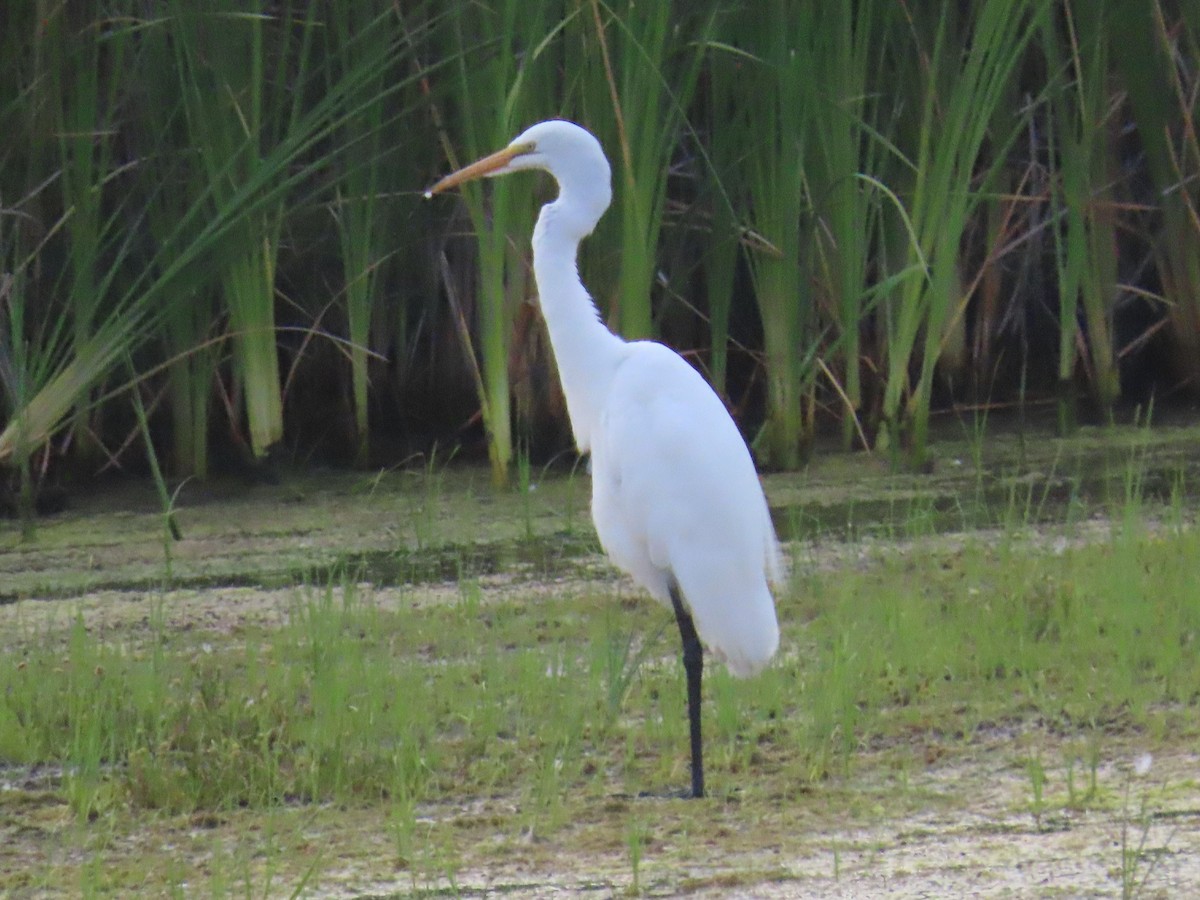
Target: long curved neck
(586,352)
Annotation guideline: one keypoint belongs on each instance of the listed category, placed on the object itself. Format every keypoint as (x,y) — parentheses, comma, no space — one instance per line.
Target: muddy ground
(954,820)
(957,819)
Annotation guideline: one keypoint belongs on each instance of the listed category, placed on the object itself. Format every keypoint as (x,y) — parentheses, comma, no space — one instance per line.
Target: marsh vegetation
(214,254)
(413,683)
(936,260)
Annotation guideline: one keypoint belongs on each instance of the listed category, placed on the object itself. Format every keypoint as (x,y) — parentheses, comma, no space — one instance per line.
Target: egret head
(570,153)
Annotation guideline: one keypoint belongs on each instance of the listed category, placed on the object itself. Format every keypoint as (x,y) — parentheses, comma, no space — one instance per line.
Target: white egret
(675,498)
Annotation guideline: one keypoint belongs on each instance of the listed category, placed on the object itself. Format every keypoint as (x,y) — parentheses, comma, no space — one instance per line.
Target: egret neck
(586,352)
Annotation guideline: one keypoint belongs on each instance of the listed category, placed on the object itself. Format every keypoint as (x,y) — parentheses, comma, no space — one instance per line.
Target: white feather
(674,492)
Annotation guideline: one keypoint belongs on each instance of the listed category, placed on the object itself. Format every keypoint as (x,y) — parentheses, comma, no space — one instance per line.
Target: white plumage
(675,494)
(675,497)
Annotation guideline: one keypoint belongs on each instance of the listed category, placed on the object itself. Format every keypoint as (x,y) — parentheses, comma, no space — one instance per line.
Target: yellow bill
(495,164)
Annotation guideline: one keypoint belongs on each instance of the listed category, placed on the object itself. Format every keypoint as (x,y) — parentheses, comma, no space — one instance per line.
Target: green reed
(873,243)
(638,78)
(358,32)
(1082,201)
(1153,55)
(208,235)
(778,116)
(501,81)
(956,81)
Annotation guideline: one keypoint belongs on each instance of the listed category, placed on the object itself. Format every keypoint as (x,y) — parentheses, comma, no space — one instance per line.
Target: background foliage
(848,218)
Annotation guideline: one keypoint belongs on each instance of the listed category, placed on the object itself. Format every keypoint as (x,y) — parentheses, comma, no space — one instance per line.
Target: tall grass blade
(650,58)
(849,109)
(777,118)
(1156,58)
(235,105)
(85,68)
(212,230)
(959,82)
(1082,203)
(723,241)
(361,32)
(501,80)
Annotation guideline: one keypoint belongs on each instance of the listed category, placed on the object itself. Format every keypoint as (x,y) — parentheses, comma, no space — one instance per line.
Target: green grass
(569,703)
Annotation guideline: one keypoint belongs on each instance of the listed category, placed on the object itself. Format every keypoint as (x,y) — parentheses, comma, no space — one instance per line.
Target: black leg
(693,665)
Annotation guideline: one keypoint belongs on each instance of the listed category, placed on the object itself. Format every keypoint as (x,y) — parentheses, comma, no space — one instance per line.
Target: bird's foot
(684,794)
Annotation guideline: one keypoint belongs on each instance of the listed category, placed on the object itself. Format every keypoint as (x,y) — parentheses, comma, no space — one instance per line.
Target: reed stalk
(848,113)
(193,360)
(18,373)
(210,232)
(1157,56)
(959,83)
(361,31)
(233,64)
(723,200)
(85,120)
(777,120)
(29,339)
(500,81)
(650,57)
(722,247)
(1082,204)
(189,329)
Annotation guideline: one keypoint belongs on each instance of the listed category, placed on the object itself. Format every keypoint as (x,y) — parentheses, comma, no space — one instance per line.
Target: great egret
(675,498)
